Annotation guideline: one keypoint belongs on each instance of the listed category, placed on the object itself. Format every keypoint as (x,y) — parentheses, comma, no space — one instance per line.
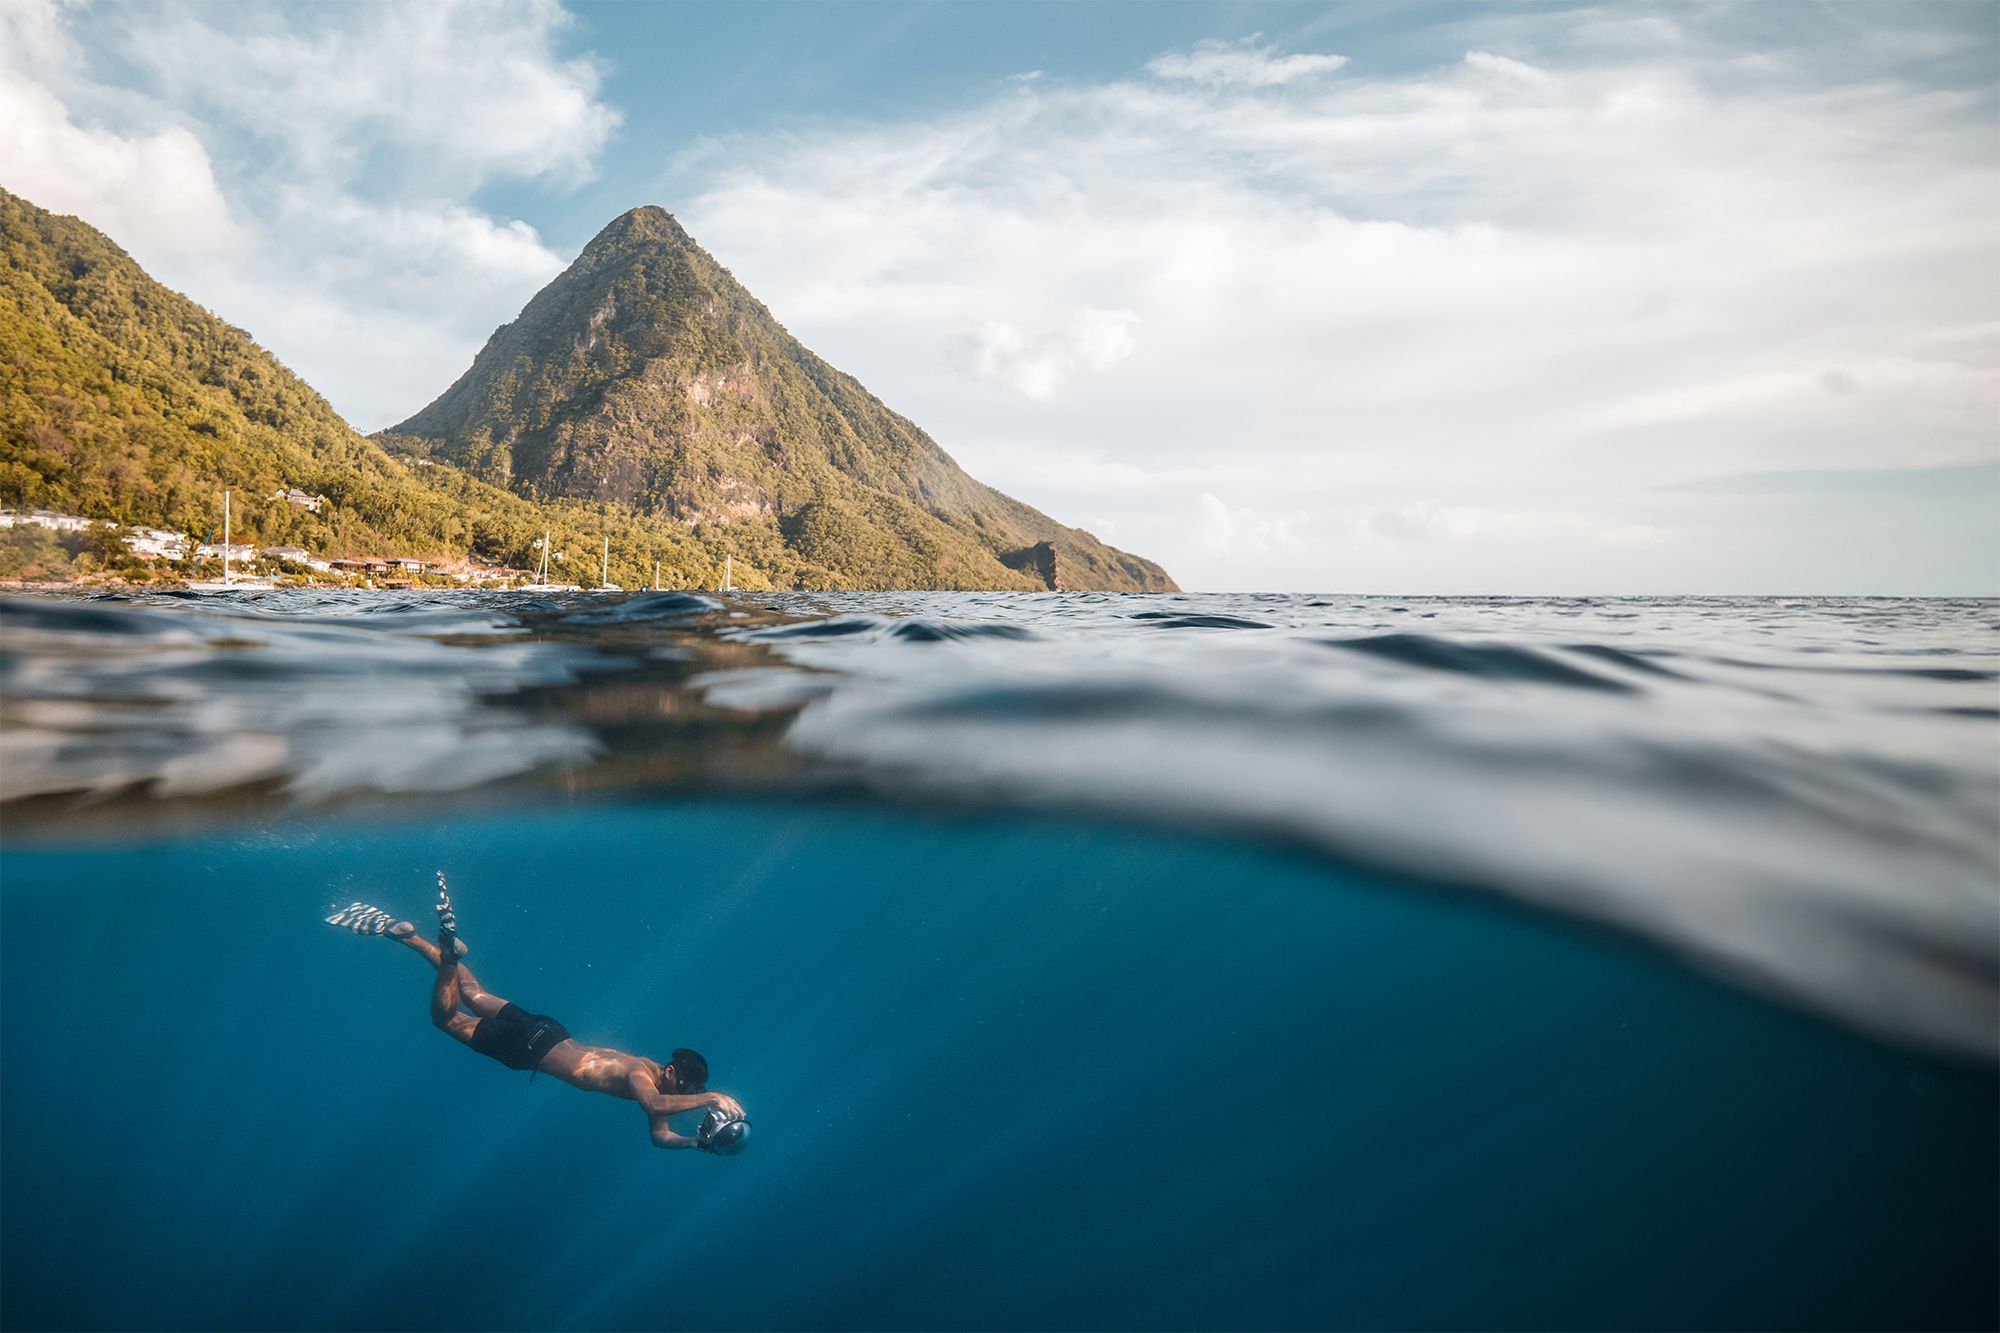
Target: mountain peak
(645,375)
(644,223)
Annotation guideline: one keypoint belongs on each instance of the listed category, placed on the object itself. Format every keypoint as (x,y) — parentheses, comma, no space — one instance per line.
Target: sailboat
(604,583)
(228,582)
(541,583)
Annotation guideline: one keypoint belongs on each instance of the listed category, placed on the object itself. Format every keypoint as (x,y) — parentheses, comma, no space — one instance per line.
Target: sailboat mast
(604,573)
(225,536)
(656,576)
(728,572)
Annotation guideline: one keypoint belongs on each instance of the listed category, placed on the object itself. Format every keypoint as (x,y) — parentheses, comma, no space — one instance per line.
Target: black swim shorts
(517,1038)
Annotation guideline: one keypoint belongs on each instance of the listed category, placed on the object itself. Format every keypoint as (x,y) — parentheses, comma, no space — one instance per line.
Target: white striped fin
(363,919)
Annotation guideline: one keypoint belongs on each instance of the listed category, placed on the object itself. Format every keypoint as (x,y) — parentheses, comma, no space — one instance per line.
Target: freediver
(539,1044)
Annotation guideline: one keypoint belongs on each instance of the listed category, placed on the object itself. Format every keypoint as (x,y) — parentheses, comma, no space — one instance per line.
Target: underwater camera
(722,1134)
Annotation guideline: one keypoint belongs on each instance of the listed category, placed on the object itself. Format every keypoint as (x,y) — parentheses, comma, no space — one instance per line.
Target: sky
(1292,297)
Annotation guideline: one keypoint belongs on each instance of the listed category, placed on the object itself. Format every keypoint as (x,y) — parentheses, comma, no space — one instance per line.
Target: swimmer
(537,1043)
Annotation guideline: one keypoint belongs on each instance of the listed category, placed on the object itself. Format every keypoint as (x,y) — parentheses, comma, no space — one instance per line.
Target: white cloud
(444,238)
(158,187)
(1505,67)
(1248,532)
(1472,525)
(468,91)
(1245,63)
(1038,364)
(33,36)
(1506,302)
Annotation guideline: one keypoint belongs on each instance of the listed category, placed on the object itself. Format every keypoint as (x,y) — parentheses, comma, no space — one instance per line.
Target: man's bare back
(518,1039)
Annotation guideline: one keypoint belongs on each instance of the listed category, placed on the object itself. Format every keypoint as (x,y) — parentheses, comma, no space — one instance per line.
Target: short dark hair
(691,1070)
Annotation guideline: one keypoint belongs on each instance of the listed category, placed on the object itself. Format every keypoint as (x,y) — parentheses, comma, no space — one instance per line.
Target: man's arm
(664,1137)
(657,1103)
(658,1106)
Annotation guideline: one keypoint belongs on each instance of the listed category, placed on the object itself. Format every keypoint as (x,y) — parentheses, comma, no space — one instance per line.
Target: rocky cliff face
(646,376)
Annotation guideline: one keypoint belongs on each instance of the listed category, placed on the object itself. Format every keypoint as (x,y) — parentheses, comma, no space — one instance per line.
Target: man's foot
(402,930)
(365,920)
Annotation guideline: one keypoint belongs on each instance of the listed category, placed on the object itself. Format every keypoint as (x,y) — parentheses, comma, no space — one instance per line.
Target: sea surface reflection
(1803,795)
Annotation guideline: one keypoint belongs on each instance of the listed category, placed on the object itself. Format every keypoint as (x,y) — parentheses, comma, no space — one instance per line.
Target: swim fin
(447,936)
(363,919)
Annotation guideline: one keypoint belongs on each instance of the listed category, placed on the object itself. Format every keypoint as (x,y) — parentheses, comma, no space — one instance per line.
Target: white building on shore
(156,543)
(296,555)
(44,518)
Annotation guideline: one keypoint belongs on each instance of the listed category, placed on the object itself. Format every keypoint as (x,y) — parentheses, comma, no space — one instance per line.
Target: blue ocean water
(1082,962)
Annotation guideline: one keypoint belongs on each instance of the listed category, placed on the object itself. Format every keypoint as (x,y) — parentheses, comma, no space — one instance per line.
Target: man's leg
(475,996)
(444,991)
(453,986)
(444,994)
(471,994)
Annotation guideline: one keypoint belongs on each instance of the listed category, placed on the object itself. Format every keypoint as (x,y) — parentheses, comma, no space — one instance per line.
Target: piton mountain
(646,376)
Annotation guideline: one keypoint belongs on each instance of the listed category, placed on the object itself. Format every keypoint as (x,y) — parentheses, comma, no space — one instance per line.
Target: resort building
(43,518)
(156,543)
(296,555)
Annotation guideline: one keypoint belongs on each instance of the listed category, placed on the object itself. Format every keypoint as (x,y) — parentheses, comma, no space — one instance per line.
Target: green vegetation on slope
(646,376)
(124,401)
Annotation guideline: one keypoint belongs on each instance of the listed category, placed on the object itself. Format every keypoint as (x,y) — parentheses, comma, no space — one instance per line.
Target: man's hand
(728,1105)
